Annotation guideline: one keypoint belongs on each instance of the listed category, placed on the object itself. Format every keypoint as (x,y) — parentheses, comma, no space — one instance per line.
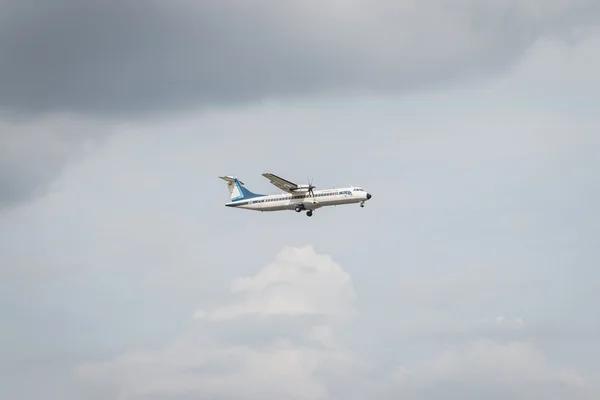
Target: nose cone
(368,196)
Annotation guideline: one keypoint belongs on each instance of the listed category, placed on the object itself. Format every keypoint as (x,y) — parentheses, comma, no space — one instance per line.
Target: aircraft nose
(368,196)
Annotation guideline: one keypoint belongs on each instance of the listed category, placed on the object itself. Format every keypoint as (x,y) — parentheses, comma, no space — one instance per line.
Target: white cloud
(227,372)
(504,322)
(488,366)
(299,282)
(311,361)
(487,360)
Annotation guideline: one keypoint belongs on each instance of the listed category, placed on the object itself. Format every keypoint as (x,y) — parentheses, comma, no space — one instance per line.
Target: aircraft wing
(281,183)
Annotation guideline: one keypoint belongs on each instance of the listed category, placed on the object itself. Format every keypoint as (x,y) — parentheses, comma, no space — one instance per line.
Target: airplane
(296,197)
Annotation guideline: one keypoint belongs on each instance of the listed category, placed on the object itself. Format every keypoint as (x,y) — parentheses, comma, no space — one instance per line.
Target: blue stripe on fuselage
(237,203)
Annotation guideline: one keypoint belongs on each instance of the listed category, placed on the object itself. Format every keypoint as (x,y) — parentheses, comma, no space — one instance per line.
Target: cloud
(312,359)
(209,362)
(492,368)
(486,360)
(32,153)
(504,322)
(117,58)
(61,61)
(281,288)
(137,238)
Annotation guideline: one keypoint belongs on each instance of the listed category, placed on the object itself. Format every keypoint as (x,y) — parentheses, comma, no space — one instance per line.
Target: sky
(471,273)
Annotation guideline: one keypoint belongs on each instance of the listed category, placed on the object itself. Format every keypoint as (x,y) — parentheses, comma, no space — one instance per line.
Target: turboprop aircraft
(296,197)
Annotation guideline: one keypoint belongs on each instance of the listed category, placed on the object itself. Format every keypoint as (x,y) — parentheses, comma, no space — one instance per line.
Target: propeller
(310,187)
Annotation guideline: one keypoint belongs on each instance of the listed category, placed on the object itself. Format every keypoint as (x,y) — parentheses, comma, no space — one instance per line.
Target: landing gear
(362,203)
(298,209)
(309,213)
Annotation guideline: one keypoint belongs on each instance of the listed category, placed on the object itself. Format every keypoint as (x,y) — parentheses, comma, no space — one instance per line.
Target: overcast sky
(472,272)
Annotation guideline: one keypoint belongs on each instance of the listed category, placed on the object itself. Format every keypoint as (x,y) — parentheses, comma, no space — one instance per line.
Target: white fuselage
(302,200)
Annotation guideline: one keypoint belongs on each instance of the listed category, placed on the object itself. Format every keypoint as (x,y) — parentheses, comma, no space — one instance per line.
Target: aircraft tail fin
(237,191)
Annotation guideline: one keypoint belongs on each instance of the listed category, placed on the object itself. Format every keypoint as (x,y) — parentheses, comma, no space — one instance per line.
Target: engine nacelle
(301,189)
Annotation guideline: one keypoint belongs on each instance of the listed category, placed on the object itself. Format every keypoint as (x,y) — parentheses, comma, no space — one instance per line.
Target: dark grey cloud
(33,153)
(23,173)
(119,57)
